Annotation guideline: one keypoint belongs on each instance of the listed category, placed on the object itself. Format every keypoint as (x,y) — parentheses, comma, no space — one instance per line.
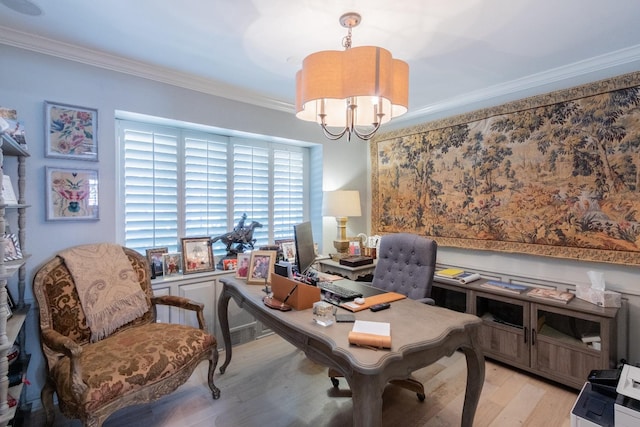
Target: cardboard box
(598,297)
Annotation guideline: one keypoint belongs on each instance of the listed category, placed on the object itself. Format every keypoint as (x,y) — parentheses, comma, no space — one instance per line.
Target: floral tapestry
(554,175)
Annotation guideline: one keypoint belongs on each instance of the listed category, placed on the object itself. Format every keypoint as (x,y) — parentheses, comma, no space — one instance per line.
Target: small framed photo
(154,256)
(261,266)
(171,263)
(8,194)
(288,248)
(72,194)
(11,248)
(71,132)
(197,255)
(242,270)
(229,264)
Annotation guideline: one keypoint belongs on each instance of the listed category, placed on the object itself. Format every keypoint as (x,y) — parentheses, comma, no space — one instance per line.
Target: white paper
(597,280)
(368,327)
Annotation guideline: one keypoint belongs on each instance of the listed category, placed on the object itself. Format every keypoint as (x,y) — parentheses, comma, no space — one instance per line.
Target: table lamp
(341,204)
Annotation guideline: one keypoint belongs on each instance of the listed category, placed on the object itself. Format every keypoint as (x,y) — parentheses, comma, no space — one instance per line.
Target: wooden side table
(352,273)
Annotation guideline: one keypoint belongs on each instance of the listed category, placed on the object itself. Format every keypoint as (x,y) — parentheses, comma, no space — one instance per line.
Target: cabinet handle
(525,334)
(533,337)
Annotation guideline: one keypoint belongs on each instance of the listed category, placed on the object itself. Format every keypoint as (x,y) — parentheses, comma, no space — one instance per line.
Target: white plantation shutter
(205,186)
(181,183)
(251,188)
(288,192)
(150,186)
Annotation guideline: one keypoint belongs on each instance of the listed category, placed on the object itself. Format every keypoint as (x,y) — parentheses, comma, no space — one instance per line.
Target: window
(183,183)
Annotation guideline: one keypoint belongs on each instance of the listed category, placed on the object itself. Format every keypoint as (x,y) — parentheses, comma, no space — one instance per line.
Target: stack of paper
(371,334)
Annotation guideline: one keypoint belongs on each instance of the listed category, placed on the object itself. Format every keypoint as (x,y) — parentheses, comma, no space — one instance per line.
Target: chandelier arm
(334,136)
(368,135)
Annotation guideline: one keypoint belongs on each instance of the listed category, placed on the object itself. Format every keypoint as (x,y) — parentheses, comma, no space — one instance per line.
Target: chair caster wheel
(336,382)
(421,397)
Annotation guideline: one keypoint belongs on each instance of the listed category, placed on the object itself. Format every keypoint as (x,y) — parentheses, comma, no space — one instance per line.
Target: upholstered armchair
(406,265)
(137,362)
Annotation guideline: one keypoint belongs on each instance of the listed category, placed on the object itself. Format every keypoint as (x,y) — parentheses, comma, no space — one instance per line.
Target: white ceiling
(459,51)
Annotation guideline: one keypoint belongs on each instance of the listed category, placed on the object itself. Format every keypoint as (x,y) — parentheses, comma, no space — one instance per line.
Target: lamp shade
(341,203)
(367,77)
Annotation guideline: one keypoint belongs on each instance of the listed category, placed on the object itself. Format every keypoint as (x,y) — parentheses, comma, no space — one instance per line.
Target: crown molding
(160,74)
(566,74)
(571,74)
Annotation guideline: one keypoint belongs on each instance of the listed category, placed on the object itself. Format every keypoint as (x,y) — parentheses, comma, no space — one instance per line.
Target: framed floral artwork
(72,194)
(197,255)
(71,132)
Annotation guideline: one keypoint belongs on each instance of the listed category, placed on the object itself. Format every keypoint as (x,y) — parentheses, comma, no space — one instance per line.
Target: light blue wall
(27,79)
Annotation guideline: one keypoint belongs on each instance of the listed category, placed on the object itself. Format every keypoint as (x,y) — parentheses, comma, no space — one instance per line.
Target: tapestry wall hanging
(554,175)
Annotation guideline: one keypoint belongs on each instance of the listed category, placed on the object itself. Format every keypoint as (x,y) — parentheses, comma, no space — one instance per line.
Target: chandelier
(355,90)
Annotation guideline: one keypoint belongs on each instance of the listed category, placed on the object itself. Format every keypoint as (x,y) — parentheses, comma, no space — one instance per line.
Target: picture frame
(260,267)
(8,194)
(229,264)
(71,194)
(156,261)
(242,262)
(171,263)
(288,248)
(71,132)
(197,256)
(12,249)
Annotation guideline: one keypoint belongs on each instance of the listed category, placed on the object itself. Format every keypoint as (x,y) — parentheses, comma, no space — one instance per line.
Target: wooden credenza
(538,336)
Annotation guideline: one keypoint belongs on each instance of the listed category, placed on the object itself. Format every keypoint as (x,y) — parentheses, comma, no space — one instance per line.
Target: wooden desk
(368,371)
(353,273)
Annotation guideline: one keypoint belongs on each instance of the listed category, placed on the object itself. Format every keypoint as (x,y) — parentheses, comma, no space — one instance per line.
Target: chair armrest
(65,345)
(182,302)
(428,301)
(58,342)
(176,301)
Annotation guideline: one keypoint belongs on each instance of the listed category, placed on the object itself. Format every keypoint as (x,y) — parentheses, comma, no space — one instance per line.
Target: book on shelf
(590,338)
(461,279)
(450,272)
(371,334)
(551,295)
(504,286)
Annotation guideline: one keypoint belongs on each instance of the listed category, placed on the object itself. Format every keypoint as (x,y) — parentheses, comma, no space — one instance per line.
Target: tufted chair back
(406,263)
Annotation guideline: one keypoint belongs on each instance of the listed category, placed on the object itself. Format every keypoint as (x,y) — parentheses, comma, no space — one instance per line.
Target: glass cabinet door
(504,332)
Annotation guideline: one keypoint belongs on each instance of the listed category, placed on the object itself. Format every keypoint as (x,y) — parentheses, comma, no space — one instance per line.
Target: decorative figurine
(241,236)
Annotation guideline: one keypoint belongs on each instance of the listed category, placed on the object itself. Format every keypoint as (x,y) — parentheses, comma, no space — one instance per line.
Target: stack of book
(551,295)
(456,275)
(505,287)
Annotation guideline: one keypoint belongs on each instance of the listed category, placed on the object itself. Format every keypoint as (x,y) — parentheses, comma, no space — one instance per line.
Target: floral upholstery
(139,362)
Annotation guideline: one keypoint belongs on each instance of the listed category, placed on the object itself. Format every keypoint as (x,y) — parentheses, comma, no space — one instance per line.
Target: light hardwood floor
(270,383)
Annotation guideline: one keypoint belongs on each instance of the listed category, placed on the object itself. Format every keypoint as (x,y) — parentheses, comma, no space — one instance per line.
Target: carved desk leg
(475,381)
(366,393)
(223,317)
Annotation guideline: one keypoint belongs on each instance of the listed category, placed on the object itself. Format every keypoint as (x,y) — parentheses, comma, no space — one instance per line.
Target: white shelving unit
(11,327)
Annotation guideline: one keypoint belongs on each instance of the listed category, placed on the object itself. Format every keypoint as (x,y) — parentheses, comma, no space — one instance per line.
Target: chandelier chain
(346,41)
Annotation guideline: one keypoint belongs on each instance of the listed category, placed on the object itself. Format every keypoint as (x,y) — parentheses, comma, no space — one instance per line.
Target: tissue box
(598,297)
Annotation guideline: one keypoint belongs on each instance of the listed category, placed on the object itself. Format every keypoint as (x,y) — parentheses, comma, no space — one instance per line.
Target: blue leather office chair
(406,264)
